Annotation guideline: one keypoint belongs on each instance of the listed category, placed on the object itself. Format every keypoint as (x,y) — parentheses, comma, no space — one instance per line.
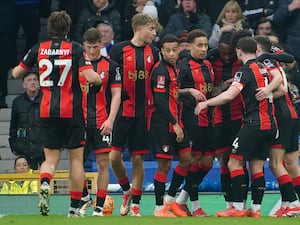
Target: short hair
(140,19)
(195,34)
(228,37)
(92,35)
(263,20)
(29,73)
(247,45)
(169,38)
(264,42)
(58,24)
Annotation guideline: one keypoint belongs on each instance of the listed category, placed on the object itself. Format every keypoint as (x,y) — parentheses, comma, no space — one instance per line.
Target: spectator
(20,187)
(28,16)
(255,9)
(230,18)
(287,16)
(184,46)
(24,136)
(8,49)
(188,18)
(263,27)
(60,62)
(107,36)
(166,9)
(212,7)
(131,8)
(73,8)
(98,10)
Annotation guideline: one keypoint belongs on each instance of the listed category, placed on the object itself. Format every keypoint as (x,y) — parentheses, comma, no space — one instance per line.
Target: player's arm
(223,98)
(107,126)
(92,77)
(279,92)
(18,71)
(264,92)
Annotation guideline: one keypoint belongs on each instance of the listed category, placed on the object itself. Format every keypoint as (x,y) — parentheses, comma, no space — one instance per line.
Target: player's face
(31,83)
(170,52)
(227,53)
(93,50)
(199,47)
(147,33)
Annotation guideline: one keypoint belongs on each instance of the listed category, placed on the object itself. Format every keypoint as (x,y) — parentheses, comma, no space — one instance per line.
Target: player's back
(59,61)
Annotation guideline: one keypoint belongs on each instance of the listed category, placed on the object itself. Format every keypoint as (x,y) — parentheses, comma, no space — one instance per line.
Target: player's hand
(228,82)
(199,107)
(197,95)
(106,127)
(262,93)
(179,133)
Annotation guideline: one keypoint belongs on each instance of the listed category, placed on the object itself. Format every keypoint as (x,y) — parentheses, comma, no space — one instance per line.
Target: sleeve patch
(238,76)
(161,81)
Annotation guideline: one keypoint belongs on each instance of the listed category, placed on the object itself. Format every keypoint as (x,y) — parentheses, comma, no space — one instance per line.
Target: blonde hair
(231,5)
(140,19)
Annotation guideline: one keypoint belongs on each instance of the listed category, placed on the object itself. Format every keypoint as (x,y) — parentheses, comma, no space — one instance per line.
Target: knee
(115,158)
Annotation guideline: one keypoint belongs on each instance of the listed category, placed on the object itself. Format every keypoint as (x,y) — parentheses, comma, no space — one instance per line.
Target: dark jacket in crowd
(24,136)
(179,22)
(290,24)
(90,15)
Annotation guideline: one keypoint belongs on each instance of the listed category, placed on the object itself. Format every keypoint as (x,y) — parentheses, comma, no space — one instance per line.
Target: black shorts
(201,138)
(252,143)
(288,135)
(225,133)
(133,132)
(96,142)
(57,133)
(164,143)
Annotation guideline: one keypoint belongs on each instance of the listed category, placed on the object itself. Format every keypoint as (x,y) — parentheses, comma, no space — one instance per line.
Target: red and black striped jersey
(136,64)
(284,107)
(165,93)
(96,99)
(234,109)
(59,62)
(248,78)
(197,74)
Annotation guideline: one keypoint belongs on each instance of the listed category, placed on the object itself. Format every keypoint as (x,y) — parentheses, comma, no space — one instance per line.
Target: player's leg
(102,182)
(47,171)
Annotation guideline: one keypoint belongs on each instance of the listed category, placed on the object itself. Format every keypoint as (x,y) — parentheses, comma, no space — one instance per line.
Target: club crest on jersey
(165,148)
(238,76)
(161,81)
(129,58)
(102,74)
(149,58)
